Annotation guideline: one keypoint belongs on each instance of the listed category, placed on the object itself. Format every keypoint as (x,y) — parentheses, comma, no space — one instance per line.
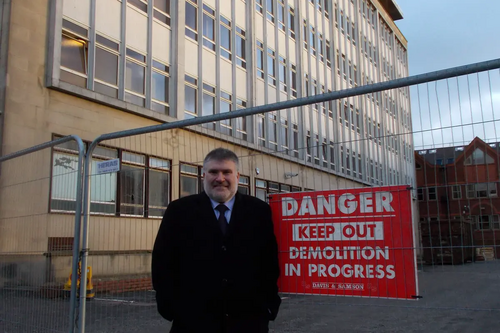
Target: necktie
(222,217)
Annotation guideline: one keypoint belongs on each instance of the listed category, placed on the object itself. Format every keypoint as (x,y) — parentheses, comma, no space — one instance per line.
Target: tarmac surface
(455,299)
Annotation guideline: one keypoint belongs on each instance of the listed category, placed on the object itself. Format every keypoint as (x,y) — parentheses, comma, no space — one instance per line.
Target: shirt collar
(229,204)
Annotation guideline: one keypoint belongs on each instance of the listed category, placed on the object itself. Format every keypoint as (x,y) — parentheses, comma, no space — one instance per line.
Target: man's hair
(221,154)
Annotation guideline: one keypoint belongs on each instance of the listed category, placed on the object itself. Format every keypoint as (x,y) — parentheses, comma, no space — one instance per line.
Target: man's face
(220,180)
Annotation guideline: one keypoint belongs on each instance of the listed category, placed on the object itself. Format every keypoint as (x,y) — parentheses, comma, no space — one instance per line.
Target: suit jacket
(203,279)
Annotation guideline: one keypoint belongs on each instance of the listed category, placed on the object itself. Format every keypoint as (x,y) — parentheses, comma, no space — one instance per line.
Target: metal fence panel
(38,250)
(362,139)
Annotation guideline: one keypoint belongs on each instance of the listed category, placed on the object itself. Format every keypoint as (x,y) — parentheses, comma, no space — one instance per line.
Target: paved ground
(455,299)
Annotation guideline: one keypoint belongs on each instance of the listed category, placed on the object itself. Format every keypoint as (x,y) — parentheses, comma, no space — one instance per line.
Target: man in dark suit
(215,258)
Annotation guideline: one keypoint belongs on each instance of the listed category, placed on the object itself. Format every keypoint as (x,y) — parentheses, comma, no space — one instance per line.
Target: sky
(447,33)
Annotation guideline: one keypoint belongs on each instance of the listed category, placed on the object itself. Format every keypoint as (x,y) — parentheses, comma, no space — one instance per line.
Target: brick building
(457,192)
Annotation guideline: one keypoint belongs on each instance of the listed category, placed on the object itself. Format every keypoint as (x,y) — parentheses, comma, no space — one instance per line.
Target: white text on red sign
(347,203)
(338,231)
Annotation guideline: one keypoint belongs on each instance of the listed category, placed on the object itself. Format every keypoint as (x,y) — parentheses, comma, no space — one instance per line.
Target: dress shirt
(228,212)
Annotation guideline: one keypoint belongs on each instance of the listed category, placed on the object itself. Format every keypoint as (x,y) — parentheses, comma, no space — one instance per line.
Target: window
(106,66)
(295,138)
(244,185)
(226,106)
(162,11)
(482,190)
(208,107)
(320,48)
(260,59)
(240,48)
(456,192)
(293,79)
(190,97)
(328,54)
(348,162)
(143,179)
(258,6)
(271,66)
(160,87)
(304,26)
(309,146)
(139,4)
(282,74)
(135,77)
(225,38)
(208,27)
(191,20)
(241,123)
(159,186)
(432,193)
(332,155)
(74,54)
(190,180)
(291,22)
(478,157)
(270,10)
(263,188)
(132,182)
(261,130)
(273,131)
(485,222)
(281,15)
(312,40)
(284,135)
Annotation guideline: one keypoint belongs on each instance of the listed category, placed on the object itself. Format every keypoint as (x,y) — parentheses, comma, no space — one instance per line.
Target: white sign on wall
(108,166)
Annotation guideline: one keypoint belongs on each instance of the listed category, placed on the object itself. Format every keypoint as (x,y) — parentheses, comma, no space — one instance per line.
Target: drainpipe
(4,51)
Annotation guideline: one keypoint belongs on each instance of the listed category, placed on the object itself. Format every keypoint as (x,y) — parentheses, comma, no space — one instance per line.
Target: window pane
(134,158)
(240,47)
(163,5)
(159,190)
(159,163)
(102,191)
(225,38)
(134,77)
(73,54)
(160,87)
(73,78)
(106,66)
(270,65)
(106,90)
(190,99)
(134,99)
(191,16)
(132,190)
(261,194)
(208,27)
(64,177)
(260,59)
(189,185)
(243,190)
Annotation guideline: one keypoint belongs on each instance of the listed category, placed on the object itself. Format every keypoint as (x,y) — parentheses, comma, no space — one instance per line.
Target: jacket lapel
(206,210)
(235,214)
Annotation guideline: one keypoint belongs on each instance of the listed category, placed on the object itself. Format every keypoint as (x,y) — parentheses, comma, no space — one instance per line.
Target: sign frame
(357,242)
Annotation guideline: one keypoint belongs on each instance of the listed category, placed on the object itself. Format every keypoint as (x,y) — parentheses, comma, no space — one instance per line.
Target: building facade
(457,192)
(89,67)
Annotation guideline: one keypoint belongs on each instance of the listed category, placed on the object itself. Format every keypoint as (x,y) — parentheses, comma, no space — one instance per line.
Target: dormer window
(478,157)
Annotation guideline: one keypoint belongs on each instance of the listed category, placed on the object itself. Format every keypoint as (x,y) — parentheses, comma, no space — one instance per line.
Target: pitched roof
(448,155)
